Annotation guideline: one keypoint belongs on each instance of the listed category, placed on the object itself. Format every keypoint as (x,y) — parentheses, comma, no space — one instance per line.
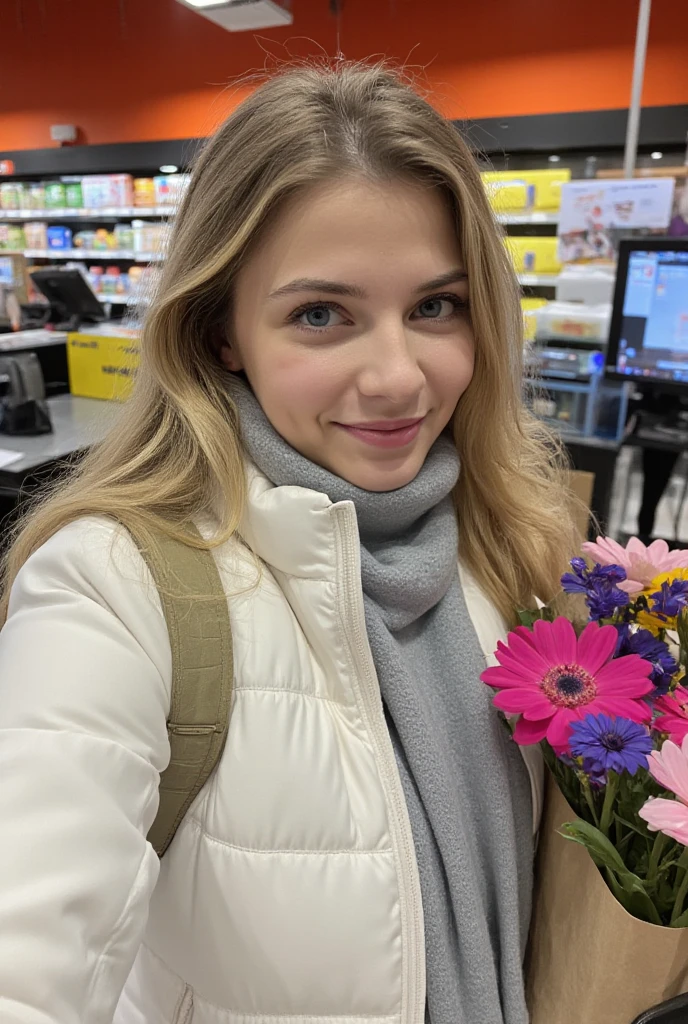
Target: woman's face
(351,323)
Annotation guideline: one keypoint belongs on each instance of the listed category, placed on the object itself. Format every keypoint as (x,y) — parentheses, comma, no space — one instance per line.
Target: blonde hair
(178,447)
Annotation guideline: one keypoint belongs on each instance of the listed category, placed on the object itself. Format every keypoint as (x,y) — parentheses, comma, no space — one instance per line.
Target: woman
(330,382)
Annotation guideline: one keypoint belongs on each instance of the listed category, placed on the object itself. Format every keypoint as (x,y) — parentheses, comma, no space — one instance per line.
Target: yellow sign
(100,366)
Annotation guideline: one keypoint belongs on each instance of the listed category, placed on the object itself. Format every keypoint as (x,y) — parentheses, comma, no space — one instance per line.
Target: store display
(586,283)
(529,306)
(574,321)
(525,190)
(533,255)
(592,210)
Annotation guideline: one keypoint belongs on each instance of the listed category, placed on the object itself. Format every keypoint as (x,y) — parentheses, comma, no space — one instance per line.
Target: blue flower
(652,649)
(610,744)
(599,585)
(668,602)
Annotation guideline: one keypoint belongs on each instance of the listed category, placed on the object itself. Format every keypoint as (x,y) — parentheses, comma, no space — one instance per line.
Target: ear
(230,358)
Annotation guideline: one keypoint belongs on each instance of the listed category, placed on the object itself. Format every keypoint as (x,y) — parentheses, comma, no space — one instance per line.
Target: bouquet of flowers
(601,691)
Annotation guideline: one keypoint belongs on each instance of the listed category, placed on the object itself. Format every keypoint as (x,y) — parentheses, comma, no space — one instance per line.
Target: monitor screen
(6,271)
(649,330)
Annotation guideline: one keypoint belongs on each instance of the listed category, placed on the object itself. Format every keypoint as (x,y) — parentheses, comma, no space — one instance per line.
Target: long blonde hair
(178,447)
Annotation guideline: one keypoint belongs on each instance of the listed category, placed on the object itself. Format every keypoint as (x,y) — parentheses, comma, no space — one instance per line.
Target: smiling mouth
(385,433)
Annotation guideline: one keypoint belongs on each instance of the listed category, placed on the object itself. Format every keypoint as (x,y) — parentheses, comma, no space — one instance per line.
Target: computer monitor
(648,335)
(70,295)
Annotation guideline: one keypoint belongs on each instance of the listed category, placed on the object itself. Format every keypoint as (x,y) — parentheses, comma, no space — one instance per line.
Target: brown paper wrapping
(589,961)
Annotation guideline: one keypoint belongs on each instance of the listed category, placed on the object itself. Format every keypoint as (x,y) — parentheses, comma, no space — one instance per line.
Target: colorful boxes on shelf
(511,191)
(533,255)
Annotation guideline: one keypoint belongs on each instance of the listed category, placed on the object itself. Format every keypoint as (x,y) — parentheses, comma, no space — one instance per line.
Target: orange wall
(125,70)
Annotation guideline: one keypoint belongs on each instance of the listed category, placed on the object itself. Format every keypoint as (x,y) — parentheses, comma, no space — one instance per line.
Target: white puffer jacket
(290,894)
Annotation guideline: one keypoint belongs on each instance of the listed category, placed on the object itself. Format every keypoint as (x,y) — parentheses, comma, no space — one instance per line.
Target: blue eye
(318,316)
(437,308)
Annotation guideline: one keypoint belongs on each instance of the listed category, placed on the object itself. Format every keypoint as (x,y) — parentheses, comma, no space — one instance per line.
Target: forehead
(357,227)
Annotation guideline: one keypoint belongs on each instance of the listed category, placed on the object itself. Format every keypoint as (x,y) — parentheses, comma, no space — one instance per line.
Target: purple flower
(597,775)
(599,584)
(610,744)
(668,602)
(652,649)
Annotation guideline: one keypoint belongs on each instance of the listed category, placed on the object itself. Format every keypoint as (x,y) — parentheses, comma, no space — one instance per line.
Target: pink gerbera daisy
(641,563)
(673,716)
(551,679)
(669,766)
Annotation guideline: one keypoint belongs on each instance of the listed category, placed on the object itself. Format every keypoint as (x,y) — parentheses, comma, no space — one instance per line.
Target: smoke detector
(243,15)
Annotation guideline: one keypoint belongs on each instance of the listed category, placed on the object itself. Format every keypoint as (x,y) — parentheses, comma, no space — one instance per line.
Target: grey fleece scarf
(465,784)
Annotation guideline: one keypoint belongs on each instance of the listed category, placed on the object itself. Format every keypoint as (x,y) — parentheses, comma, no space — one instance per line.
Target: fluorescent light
(169,169)
(657,155)
(554,159)
(207,3)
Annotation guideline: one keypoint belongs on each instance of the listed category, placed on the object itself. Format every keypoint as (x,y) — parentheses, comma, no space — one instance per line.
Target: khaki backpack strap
(195,608)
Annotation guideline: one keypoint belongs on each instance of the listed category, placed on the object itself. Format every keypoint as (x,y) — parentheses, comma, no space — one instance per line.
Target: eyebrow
(352,291)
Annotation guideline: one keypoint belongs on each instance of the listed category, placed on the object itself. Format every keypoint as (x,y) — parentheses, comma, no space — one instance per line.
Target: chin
(383,476)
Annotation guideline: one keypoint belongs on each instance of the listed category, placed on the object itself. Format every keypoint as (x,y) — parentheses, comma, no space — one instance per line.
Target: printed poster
(592,209)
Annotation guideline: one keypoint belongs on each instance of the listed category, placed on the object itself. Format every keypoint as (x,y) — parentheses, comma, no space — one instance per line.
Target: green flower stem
(683,888)
(589,799)
(608,805)
(655,856)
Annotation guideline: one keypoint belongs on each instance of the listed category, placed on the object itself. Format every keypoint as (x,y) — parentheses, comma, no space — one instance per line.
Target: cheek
(299,384)
(451,371)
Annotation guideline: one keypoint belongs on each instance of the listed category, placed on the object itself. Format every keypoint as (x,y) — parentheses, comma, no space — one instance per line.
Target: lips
(385,433)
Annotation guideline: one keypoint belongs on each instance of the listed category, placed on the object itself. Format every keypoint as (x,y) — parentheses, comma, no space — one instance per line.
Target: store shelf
(533,217)
(538,280)
(109,213)
(88,254)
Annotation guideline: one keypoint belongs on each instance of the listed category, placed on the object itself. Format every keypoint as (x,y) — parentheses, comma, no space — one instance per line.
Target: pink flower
(641,563)
(674,714)
(553,679)
(669,766)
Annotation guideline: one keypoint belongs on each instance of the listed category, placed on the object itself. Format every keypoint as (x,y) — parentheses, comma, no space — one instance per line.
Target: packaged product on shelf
(59,237)
(533,255)
(135,276)
(147,236)
(525,190)
(95,275)
(169,188)
(109,281)
(144,192)
(121,190)
(84,240)
(586,283)
(36,233)
(12,195)
(124,236)
(55,196)
(36,196)
(573,320)
(12,237)
(529,307)
(74,195)
(103,239)
(106,190)
(508,196)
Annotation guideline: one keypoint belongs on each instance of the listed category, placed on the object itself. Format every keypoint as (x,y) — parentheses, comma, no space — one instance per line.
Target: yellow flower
(649,620)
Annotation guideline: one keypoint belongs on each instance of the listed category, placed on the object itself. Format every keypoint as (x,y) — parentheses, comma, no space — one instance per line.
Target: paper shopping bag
(589,961)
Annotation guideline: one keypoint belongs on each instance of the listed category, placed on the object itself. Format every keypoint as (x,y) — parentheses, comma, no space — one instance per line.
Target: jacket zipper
(412,931)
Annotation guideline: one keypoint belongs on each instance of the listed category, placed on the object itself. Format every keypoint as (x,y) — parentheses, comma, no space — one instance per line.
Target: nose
(390,366)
